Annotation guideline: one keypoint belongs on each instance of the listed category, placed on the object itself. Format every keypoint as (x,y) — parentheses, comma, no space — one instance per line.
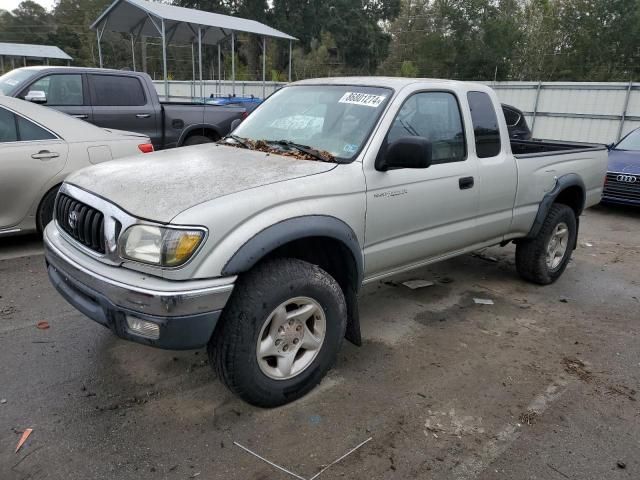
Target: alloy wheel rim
(291,338)
(557,246)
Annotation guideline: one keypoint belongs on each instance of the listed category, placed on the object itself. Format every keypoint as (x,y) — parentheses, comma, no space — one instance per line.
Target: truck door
(31,156)
(120,102)
(497,177)
(417,214)
(66,92)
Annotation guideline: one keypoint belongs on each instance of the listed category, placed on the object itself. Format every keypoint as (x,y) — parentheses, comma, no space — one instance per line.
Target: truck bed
(539,148)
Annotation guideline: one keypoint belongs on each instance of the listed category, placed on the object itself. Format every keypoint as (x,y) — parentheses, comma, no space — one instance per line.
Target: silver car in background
(39,147)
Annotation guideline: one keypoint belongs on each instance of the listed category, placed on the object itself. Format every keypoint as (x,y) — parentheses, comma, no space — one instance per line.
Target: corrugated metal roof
(181,24)
(32,51)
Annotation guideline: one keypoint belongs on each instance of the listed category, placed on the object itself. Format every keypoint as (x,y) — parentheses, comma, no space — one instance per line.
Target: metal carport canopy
(26,50)
(172,23)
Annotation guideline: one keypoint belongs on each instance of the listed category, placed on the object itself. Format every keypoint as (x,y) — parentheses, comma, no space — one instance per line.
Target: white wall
(577,111)
(184,90)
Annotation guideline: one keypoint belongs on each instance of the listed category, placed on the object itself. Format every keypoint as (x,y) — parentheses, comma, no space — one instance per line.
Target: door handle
(143,115)
(465,183)
(45,155)
(82,116)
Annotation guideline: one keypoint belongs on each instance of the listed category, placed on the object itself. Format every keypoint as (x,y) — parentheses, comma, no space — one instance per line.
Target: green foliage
(408,69)
(577,40)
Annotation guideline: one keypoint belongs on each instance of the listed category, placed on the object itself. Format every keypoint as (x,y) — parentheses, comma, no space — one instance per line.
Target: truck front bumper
(171,315)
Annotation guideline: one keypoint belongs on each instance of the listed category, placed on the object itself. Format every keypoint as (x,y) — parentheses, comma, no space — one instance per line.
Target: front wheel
(280,332)
(542,259)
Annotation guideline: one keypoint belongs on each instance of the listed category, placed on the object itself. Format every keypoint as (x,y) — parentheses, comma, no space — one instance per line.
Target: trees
(463,39)
(518,39)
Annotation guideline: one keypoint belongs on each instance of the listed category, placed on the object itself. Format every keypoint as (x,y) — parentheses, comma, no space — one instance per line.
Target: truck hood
(158,186)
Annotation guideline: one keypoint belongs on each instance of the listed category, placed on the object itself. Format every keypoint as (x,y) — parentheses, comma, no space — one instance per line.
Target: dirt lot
(543,384)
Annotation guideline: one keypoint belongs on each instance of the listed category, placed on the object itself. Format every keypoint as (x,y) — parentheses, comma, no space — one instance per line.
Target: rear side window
(29,131)
(485,125)
(511,116)
(436,117)
(8,130)
(114,90)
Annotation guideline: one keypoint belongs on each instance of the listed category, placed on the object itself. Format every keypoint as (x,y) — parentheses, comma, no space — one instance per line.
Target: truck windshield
(332,120)
(8,81)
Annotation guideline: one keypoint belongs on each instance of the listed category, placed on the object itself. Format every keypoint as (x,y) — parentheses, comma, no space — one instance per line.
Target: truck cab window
(61,90)
(485,125)
(435,116)
(115,90)
(8,131)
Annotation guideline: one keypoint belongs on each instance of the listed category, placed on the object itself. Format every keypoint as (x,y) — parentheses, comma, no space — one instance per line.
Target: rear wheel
(197,140)
(542,259)
(45,211)
(280,332)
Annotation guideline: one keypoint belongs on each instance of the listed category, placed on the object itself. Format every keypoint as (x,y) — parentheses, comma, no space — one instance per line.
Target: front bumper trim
(174,301)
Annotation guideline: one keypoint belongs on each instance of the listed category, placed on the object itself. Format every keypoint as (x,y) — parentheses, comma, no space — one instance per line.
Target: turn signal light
(146,147)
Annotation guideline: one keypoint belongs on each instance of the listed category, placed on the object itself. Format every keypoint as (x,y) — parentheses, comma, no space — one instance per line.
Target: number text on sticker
(366,99)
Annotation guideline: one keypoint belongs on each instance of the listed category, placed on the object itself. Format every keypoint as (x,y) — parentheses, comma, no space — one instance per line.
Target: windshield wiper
(240,140)
(301,148)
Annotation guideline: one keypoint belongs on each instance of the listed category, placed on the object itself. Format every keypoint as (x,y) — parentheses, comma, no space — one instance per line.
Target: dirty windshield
(314,122)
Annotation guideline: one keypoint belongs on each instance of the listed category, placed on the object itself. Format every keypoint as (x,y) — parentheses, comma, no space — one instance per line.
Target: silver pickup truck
(257,246)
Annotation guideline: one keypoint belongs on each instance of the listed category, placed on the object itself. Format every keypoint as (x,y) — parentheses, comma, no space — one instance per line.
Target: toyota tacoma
(257,246)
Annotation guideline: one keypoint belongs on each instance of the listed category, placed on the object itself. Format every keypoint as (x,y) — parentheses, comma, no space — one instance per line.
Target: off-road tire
(196,140)
(232,348)
(531,254)
(45,210)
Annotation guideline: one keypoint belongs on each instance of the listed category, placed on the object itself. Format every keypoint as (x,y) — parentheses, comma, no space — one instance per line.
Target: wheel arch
(55,187)
(569,190)
(204,129)
(323,240)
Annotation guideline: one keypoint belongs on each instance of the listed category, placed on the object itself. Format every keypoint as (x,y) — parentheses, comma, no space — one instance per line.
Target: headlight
(165,247)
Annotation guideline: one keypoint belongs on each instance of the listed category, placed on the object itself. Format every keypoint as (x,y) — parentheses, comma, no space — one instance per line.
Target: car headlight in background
(161,246)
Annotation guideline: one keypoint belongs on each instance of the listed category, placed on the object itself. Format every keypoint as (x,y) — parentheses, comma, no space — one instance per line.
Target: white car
(39,147)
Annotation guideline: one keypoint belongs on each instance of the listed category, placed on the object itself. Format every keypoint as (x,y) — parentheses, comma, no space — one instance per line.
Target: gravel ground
(543,384)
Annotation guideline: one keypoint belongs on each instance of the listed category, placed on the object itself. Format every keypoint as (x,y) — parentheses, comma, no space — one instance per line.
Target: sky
(11,4)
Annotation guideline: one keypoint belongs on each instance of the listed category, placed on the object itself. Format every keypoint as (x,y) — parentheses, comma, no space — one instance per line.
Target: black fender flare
(563,182)
(292,229)
(188,130)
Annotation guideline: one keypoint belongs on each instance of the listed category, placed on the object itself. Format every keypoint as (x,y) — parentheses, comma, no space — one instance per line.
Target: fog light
(143,328)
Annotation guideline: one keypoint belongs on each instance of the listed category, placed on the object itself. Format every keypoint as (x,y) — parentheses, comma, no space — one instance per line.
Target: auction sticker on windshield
(365,99)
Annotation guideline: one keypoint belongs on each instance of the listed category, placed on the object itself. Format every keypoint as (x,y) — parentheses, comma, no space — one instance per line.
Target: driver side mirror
(610,146)
(406,152)
(36,96)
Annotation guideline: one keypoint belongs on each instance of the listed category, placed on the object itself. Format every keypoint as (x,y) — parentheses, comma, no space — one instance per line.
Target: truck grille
(619,186)
(82,222)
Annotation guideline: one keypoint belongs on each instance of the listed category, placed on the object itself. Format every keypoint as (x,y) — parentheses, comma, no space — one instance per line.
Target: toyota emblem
(73,219)
(627,178)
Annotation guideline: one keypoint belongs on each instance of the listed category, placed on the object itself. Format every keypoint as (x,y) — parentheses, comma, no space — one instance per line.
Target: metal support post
(264,64)
(193,71)
(290,54)
(133,52)
(200,61)
(233,63)
(219,71)
(624,111)
(164,63)
(535,107)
